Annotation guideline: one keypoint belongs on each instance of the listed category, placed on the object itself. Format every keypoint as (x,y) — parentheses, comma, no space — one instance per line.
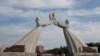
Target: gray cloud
(39,3)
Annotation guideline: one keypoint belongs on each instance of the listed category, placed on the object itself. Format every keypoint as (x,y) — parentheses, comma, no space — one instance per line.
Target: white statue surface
(74,43)
(72,40)
(30,40)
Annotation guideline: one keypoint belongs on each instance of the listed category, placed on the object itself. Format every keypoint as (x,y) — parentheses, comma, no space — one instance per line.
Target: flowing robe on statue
(74,43)
(30,40)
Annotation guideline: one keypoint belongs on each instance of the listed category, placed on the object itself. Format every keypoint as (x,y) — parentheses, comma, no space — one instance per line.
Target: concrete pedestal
(83,54)
(17,54)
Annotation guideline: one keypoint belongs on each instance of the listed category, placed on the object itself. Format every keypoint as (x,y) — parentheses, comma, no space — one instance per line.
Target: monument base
(83,54)
(17,54)
(15,48)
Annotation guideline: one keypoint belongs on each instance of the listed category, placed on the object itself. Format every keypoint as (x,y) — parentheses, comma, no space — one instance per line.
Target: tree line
(63,49)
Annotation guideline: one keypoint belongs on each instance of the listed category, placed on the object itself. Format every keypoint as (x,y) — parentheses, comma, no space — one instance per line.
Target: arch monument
(74,43)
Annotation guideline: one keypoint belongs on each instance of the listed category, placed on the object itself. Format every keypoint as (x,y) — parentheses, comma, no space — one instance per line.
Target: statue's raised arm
(42,23)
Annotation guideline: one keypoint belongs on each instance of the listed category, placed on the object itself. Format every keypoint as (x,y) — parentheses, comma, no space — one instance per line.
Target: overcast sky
(17,18)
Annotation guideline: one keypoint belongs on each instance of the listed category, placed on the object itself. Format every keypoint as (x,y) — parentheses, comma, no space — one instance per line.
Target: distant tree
(63,49)
(94,45)
(57,50)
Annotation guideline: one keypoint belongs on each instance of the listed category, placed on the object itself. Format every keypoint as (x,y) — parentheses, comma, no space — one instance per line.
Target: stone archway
(30,40)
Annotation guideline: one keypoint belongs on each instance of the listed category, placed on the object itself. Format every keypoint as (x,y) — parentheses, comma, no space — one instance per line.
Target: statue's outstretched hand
(52,16)
(42,23)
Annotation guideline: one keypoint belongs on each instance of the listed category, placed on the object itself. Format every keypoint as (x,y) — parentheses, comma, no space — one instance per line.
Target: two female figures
(74,44)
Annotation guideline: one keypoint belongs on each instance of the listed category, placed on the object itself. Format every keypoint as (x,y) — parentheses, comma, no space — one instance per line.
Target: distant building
(40,48)
(0,49)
